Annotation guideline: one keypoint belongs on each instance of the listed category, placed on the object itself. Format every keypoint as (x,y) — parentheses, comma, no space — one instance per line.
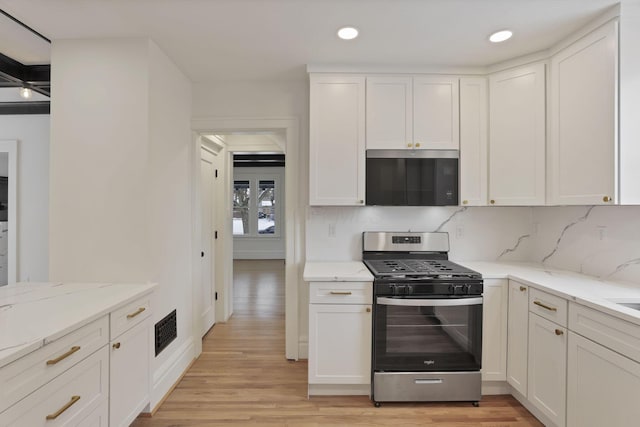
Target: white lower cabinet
(517,336)
(602,386)
(547,368)
(340,337)
(494,330)
(339,344)
(68,399)
(129,375)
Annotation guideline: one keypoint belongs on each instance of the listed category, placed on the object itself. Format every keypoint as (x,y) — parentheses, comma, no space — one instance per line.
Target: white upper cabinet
(389,113)
(473,141)
(436,113)
(583,145)
(337,140)
(412,112)
(517,136)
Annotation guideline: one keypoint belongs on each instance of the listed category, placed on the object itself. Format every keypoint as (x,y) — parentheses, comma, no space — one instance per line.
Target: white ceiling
(213,40)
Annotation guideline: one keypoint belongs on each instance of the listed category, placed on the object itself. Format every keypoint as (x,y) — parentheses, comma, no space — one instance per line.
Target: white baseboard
(166,375)
(495,387)
(303,350)
(339,390)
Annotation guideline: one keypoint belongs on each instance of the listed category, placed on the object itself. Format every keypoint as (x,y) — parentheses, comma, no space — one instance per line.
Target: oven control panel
(412,240)
(427,289)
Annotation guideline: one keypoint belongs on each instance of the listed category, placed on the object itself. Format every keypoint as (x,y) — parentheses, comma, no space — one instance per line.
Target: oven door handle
(411,302)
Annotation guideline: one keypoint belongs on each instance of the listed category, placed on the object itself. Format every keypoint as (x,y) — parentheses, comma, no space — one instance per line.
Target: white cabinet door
(602,386)
(494,330)
(389,113)
(436,113)
(473,141)
(517,336)
(547,379)
(517,136)
(129,375)
(337,140)
(582,144)
(339,344)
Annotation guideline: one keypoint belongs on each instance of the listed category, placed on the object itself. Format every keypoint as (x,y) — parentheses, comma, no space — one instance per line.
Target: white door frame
(294,225)
(11,148)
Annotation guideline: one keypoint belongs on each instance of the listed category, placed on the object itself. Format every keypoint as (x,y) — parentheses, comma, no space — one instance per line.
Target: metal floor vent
(166,331)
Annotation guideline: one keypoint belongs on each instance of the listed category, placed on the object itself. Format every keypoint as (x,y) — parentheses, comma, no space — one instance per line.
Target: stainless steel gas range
(427,320)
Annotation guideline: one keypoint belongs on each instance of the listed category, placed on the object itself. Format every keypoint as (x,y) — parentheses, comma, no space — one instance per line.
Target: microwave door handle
(410,302)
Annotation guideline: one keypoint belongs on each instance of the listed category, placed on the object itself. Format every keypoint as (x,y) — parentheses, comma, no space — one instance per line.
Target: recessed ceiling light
(348,33)
(500,36)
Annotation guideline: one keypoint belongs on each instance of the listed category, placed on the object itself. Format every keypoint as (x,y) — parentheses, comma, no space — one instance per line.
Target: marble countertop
(34,314)
(586,290)
(338,271)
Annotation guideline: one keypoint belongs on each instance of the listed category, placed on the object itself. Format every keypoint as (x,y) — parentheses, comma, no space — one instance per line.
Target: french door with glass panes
(256,211)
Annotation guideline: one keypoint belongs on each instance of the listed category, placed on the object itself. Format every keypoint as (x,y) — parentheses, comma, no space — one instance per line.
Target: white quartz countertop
(338,271)
(34,314)
(590,291)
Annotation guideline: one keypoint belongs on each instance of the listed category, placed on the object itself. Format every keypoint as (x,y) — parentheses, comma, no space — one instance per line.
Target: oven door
(427,334)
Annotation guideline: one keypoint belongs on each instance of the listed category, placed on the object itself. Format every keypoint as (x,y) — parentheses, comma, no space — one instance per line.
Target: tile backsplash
(603,241)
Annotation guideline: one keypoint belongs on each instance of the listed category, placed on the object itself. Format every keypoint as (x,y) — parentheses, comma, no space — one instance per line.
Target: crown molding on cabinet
(395,69)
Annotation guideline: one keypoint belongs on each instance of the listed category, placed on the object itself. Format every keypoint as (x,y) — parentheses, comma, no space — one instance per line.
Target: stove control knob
(467,289)
(409,289)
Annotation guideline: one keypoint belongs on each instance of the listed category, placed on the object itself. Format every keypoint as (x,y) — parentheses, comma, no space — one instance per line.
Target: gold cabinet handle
(465,202)
(538,303)
(368,310)
(559,332)
(418,145)
(606,199)
(361,202)
(59,412)
(116,345)
(340,292)
(523,288)
(135,313)
(63,356)
(493,202)
(409,145)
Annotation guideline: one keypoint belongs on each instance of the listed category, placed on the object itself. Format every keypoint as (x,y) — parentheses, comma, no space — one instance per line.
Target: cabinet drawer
(548,306)
(130,315)
(609,331)
(32,371)
(340,293)
(69,398)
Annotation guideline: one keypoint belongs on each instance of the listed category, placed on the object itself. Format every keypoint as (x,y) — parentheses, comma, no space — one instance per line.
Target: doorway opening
(260,218)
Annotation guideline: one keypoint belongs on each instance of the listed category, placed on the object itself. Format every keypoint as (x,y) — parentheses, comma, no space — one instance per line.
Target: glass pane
(241,195)
(266,207)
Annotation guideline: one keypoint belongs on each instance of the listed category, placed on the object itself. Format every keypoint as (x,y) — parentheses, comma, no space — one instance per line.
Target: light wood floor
(242,377)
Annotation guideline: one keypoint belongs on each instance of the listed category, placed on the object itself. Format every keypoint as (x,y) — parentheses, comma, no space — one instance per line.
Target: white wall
(120,179)
(168,212)
(99,152)
(32,134)
(264,246)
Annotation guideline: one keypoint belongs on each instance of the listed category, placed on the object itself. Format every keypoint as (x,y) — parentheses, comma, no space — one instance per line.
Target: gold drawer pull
(606,199)
(559,332)
(368,309)
(135,313)
(523,288)
(545,306)
(340,292)
(116,346)
(64,356)
(59,412)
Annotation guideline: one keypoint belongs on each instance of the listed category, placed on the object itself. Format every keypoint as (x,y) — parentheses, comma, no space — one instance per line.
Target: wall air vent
(166,331)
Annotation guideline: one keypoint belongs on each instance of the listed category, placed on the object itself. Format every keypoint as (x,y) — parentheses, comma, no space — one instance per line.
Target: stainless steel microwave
(412,177)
